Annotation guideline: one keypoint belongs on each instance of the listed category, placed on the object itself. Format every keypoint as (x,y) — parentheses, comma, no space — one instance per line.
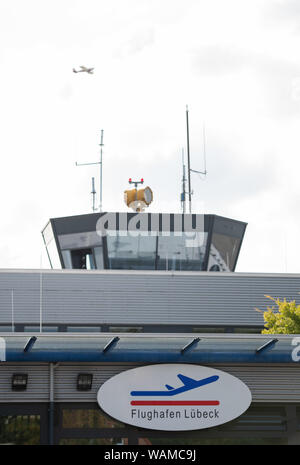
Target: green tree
(281,318)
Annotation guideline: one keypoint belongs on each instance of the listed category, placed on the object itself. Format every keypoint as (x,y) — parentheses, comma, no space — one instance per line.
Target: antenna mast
(183,184)
(101,164)
(188,157)
(93,194)
(96,163)
(188,153)
(204,148)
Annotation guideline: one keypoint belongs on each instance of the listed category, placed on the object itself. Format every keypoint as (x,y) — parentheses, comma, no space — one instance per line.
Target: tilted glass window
(51,248)
(150,251)
(184,252)
(223,252)
(129,252)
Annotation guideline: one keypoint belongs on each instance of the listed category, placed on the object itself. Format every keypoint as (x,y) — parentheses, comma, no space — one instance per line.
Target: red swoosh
(175,402)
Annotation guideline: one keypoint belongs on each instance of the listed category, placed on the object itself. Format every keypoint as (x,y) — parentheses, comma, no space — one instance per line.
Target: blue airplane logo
(188,385)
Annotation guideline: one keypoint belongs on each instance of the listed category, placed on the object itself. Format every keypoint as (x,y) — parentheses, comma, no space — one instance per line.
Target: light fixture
(19,382)
(147,195)
(190,344)
(267,344)
(84,381)
(29,344)
(138,199)
(110,343)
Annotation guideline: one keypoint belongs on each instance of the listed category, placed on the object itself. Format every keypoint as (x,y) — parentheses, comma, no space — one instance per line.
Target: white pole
(188,160)
(101,170)
(12,312)
(41,294)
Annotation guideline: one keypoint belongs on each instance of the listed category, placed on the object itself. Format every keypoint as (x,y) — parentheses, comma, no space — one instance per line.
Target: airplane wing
(187,381)
(84,68)
(170,388)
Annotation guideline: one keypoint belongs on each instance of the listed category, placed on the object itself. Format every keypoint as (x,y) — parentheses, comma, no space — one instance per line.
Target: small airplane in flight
(188,384)
(83,69)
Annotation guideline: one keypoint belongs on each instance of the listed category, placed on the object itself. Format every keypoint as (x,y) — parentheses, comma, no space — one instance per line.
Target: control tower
(144,241)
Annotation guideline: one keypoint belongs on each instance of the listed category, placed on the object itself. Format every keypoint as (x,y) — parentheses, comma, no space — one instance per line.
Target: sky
(236,64)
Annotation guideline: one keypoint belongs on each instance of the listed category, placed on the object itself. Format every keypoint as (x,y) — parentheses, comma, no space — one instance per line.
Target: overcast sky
(236,64)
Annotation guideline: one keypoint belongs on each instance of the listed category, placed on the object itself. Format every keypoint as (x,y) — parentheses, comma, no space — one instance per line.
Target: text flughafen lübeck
(174,414)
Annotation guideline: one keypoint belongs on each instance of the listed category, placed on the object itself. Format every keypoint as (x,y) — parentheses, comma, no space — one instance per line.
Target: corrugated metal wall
(38,383)
(267,383)
(108,297)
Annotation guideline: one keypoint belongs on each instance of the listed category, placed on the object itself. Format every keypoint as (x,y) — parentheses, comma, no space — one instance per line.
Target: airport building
(131,292)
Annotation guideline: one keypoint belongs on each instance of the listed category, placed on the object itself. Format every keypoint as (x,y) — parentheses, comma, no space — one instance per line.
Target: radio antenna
(188,158)
(204,148)
(100,164)
(93,194)
(182,197)
(190,170)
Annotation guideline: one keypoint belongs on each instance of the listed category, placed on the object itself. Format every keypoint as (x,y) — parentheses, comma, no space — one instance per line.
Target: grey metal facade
(268,383)
(140,297)
(164,299)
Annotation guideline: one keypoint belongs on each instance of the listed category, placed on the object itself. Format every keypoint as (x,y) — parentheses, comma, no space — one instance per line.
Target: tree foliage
(283,318)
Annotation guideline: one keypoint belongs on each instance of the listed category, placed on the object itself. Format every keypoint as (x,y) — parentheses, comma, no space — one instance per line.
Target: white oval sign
(174,397)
